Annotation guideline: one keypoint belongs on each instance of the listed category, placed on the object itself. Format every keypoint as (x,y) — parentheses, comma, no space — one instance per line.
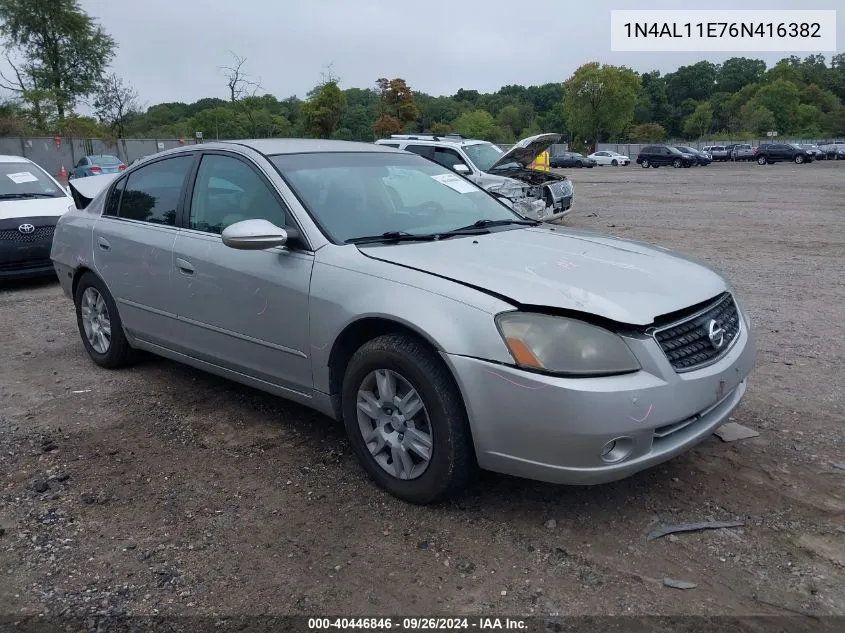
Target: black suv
(658,155)
(769,153)
(698,157)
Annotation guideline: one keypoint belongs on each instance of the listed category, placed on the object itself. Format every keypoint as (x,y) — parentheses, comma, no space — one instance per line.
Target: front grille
(41,234)
(687,343)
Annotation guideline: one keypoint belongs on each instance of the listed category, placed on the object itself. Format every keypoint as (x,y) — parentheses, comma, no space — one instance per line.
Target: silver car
(445,331)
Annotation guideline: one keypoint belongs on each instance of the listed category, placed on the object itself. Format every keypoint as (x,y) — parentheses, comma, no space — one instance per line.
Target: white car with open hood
(536,194)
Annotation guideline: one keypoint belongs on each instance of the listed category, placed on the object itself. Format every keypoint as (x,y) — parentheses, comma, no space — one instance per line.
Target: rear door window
(153,192)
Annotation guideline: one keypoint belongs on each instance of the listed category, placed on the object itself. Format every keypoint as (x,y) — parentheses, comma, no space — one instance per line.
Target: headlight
(561,345)
(567,188)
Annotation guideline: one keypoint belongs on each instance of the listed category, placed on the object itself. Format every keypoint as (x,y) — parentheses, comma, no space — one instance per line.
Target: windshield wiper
(21,196)
(392,236)
(484,224)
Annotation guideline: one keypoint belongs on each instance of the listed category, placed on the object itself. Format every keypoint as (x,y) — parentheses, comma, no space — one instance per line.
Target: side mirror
(462,169)
(254,235)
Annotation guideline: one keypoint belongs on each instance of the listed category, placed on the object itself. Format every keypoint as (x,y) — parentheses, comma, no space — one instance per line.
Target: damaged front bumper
(530,206)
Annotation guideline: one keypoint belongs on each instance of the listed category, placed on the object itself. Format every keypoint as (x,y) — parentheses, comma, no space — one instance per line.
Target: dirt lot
(160,489)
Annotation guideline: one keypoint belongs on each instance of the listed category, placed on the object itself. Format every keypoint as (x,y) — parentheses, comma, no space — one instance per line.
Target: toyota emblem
(26,229)
(716,334)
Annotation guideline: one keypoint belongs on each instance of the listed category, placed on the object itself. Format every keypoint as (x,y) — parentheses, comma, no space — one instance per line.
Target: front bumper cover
(554,429)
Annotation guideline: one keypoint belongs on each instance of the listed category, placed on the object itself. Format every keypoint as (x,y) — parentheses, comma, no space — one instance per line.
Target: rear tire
(412,365)
(761,160)
(645,163)
(99,323)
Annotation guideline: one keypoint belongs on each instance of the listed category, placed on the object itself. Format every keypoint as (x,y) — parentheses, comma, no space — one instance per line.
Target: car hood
(525,151)
(34,208)
(624,281)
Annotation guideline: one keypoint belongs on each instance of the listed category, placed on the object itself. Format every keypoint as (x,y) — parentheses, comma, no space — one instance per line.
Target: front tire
(677,163)
(614,162)
(799,159)
(406,420)
(99,323)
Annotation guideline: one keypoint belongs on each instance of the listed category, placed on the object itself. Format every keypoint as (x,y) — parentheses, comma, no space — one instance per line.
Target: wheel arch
(358,332)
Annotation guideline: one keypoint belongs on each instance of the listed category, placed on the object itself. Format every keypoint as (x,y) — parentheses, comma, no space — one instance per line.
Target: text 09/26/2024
(715,30)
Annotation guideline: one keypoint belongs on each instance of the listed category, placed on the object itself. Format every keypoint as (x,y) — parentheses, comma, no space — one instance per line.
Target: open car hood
(84,190)
(525,151)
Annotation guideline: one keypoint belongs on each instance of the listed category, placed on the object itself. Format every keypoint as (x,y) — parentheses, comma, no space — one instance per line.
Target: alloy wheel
(95,320)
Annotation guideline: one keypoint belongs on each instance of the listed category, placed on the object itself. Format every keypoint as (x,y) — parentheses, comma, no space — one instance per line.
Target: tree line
(58,58)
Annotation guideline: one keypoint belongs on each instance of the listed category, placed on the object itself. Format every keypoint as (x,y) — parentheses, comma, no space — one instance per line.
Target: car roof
(464,142)
(270,146)
(11,158)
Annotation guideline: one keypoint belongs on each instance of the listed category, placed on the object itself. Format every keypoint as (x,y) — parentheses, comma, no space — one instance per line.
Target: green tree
(653,104)
(476,124)
(756,118)
(599,100)
(323,110)
(696,82)
(510,119)
(781,98)
(737,72)
(648,133)
(64,52)
(699,122)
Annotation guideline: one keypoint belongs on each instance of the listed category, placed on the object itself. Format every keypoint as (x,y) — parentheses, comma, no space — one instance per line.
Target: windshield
(353,195)
(24,180)
(484,155)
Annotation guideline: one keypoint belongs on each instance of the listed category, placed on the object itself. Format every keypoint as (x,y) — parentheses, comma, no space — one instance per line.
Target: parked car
(385,291)
(742,152)
(659,155)
(814,151)
(571,159)
(533,193)
(700,158)
(769,153)
(96,165)
(31,202)
(610,158)
(717,152)
(834,150)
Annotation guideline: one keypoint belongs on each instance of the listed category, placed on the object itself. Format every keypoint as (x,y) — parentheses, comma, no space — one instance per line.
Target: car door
(133,246)
(246,311)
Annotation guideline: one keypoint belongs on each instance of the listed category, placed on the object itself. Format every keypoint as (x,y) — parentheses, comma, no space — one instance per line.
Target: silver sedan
(442,329)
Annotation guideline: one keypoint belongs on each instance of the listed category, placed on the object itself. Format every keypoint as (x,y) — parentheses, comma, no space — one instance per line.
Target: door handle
(185,266)
(103,243)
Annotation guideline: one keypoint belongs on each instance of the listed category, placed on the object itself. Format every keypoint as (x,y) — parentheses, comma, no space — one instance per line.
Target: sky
(172,50)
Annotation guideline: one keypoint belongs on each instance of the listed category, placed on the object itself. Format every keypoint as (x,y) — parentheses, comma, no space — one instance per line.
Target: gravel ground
(163,490)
